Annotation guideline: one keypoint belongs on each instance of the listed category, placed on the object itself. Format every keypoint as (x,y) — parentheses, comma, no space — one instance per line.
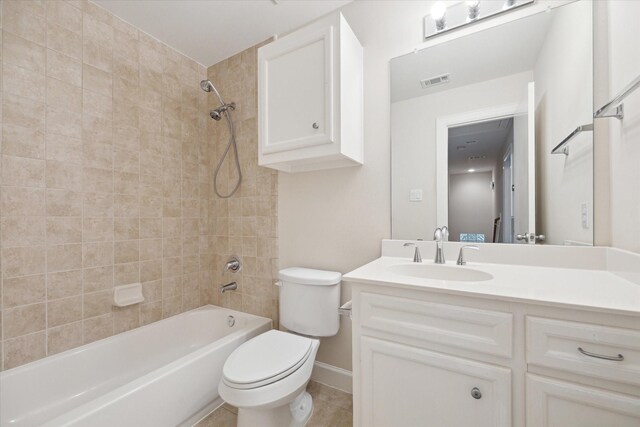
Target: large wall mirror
(492,133)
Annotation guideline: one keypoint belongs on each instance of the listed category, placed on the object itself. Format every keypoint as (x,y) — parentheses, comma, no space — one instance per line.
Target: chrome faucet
(438,236)
(461,260)
(228,287)
(416,255)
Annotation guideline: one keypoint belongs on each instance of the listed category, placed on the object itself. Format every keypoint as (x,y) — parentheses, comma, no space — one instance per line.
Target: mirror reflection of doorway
(480,172)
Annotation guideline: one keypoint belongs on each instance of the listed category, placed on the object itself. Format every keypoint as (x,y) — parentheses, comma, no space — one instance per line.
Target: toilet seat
(265,359)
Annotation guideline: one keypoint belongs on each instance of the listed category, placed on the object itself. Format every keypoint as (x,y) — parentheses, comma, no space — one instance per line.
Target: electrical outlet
(584,215)
(415,195)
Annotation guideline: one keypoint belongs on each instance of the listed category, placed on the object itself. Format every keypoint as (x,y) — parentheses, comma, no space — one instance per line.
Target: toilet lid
(265,359)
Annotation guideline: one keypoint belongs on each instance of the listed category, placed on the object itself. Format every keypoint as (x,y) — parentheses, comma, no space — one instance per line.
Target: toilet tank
(309,301)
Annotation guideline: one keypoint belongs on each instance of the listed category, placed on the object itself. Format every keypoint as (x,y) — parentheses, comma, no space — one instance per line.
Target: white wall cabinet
(417,355)
(310,95)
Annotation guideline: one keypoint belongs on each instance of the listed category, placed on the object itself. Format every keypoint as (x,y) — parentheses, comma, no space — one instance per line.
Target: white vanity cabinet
(436,359)
(310,95)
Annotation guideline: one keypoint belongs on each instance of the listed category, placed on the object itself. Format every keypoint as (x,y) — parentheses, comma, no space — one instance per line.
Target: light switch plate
(415,195)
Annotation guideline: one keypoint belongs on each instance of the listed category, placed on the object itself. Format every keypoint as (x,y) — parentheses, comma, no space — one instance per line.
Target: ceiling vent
(477,157)
(434,81)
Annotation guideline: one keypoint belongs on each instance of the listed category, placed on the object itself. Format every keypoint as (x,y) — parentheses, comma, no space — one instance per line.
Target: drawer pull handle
(618,358)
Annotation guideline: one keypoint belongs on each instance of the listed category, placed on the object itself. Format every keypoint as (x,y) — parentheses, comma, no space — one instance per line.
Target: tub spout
(228,287)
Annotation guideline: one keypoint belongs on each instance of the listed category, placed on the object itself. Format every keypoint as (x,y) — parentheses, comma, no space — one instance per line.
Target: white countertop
(599,290)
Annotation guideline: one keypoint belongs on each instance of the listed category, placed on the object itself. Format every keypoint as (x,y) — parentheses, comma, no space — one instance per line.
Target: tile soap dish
(125,295)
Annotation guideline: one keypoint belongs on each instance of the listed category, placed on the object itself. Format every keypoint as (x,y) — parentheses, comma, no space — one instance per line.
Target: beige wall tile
(23,261)
(22,231)
(63,202)
(63,311)
(65,15)
(21,171)
(64,257)
(64,284)
(24,349)
(64,337)
(62,230)
(97,303)
(97,254)
(64,41)
(23,320)
(63,149)
(23,82)
(19,18)
(23,141)
(98,278)
(23,290)
(97,328)
(23,53)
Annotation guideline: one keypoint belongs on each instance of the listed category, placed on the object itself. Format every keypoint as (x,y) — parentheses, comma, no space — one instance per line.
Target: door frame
(442,149)
(507,190)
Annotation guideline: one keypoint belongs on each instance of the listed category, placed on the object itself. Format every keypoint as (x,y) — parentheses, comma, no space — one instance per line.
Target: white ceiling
(488,54)
(477,140)
(209,31)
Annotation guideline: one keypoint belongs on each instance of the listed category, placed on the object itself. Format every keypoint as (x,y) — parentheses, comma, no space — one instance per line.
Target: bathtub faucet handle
(228,287)
(233,264)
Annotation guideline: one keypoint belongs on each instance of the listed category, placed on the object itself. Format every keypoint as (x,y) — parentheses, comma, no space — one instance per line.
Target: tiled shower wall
(106,168)
(246,223)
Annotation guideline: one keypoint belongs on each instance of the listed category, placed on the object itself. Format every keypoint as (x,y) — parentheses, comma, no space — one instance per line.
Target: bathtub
(162,374)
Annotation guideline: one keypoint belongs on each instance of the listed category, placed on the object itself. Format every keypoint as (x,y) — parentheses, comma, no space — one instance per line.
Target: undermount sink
(440,272)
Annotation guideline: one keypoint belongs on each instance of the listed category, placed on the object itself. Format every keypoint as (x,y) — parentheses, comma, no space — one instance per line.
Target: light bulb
(474,10)
(471,170)
(438,10)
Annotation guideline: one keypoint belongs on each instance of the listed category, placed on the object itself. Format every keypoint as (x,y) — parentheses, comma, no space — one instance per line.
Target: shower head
(206,85)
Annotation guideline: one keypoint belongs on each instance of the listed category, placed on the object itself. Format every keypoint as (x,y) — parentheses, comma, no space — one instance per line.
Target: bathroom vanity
(535,336)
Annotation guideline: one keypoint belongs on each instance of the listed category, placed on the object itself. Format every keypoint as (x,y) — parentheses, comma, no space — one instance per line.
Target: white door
(554,403)
(408,386)
(524,166)
(296,91)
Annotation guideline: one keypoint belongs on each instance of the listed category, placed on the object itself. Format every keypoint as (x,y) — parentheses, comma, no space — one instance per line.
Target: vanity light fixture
(471,170)
(443,19)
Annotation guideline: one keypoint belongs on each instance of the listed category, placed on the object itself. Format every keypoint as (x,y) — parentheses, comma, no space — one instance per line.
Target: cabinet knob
(475,393)
(315,125)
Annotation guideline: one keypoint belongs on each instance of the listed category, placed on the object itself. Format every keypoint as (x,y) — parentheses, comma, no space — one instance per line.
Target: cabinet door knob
(475,393)
(315,125)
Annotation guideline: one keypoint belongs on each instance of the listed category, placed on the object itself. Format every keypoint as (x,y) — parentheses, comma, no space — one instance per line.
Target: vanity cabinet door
(555,403)
(408,386)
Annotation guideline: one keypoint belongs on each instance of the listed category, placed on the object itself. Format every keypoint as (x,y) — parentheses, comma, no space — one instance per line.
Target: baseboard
(333,376)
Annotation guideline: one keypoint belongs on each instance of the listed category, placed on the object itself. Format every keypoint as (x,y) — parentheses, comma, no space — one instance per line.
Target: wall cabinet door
(555,403)
(407,386)
(297,91)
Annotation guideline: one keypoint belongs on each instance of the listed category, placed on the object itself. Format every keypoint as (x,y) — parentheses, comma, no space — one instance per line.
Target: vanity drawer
(591,350)
(482,331)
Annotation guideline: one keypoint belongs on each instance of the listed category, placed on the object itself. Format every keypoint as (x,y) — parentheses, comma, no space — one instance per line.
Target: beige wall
(471,204)
(246,223)
(104,178)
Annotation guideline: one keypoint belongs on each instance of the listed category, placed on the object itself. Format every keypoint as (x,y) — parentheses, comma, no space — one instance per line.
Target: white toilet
(266,377)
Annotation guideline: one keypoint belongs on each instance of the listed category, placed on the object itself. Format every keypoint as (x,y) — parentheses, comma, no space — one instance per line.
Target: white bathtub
(162,374)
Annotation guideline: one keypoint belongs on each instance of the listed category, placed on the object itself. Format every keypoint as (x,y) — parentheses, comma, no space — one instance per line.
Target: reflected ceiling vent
(476,157)
(434,81)
(471,142)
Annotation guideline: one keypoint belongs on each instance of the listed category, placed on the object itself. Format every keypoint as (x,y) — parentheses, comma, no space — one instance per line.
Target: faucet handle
(461,260)
(437,234)
(445,233)
(233,264)
(416,255)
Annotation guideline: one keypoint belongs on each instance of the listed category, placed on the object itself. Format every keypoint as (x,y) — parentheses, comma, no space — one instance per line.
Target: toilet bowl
(266,377)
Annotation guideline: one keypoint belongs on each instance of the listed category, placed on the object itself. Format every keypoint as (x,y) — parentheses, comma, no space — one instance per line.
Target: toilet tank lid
(308,276)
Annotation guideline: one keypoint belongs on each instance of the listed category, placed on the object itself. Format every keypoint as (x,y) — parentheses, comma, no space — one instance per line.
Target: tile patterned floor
(332,408)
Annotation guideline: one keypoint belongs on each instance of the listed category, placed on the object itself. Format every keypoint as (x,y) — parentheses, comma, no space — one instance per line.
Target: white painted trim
(333,376)
(442,155)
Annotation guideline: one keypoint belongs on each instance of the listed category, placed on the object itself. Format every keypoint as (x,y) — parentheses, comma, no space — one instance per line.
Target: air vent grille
(434,81)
